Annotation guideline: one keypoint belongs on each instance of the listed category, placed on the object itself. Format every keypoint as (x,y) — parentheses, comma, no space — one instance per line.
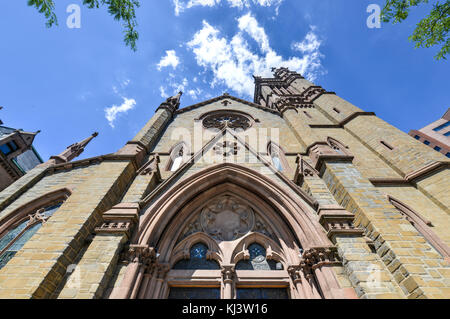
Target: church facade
(298,194)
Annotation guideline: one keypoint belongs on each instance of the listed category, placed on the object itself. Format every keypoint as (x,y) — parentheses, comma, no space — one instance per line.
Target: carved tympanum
(227,219)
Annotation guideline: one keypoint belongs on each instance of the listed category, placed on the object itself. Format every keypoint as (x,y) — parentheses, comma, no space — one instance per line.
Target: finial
(72,151)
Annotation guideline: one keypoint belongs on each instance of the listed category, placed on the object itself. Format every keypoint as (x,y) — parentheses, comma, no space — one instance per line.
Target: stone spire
(172,103)
(72,151)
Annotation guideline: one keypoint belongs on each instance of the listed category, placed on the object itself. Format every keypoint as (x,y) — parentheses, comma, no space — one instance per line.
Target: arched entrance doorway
(229,232)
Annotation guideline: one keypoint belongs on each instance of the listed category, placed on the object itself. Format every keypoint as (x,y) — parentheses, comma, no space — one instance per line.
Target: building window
(448,154)
(17,237)
(197,259)
(219,120)
(447,134)
(262,293)
(423,226)
(417,137)
(389,147)
(178,156)
(437,148)
(8,148)
(440,127)
(426,142)
(336,110)
(258,260)
(194,293)
(339,147)
(277,156)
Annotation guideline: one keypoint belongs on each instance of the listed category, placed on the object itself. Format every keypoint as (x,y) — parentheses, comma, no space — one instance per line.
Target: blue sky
(62,81)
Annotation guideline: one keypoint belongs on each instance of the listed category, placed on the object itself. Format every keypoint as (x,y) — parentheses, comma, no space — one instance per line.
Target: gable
(187,124)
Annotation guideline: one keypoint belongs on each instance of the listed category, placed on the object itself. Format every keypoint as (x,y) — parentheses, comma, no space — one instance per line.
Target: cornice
(222,97)
(411,177)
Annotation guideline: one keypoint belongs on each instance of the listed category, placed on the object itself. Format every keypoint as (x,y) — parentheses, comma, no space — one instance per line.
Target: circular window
(233,121)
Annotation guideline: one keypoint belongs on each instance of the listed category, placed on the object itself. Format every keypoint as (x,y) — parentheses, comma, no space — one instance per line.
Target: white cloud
(173,87)
(162,91)
(233,63)
(310,44)
(170,59)
(194,94)
(182,5)
(112,112)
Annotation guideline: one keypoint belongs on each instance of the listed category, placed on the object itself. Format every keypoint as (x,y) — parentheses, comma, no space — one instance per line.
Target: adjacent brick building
(298,194)
(17,154)
(436,135)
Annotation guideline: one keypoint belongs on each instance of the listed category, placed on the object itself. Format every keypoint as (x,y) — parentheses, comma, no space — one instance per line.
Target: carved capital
(296,273)
(142,254)
(228,273)
(318,257)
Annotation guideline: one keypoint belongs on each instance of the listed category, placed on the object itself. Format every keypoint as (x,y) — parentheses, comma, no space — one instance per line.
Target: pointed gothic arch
(422,225)
(179,154)
(338,146)
(17,227)
(278,157)
(288,211)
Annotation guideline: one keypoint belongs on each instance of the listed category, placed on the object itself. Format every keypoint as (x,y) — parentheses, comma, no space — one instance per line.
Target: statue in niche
(226,219)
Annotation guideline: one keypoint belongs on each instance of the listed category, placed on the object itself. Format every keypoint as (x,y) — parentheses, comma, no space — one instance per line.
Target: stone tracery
(230,120)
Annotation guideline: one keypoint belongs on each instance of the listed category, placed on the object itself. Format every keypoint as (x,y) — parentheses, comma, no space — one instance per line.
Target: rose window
(222,120)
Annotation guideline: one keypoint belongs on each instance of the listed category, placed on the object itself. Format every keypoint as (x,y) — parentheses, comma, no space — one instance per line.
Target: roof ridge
(225,96)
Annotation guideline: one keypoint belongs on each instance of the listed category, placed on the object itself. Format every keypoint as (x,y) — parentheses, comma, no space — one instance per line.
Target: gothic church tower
(298,194)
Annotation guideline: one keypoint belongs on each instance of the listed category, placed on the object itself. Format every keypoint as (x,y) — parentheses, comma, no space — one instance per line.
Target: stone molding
(414,175)
(338,222)
(422,225)
(151,167)
(119,219)
(229,97)
(320,152)
(411,177)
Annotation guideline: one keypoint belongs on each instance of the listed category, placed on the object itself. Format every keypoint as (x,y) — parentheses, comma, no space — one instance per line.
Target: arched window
(277,156)
(338,146)
(16,238)
(258,260)
(422,225)
(198,259)
(178,156)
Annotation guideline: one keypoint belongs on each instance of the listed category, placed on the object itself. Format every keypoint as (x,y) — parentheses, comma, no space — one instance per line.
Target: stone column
(228,275)
(140,258)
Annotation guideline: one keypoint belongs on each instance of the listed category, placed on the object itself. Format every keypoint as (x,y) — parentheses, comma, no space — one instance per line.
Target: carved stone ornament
(226,219)
(227,120)
(317,257)
(226,148)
